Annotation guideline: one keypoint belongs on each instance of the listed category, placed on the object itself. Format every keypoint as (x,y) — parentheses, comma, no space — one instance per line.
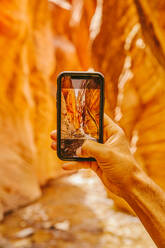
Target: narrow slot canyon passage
(73,212)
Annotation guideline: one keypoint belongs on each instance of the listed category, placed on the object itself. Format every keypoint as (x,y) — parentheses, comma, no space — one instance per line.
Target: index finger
(110,124)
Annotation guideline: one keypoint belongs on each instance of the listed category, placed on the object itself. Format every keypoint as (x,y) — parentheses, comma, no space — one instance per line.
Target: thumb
(90,148)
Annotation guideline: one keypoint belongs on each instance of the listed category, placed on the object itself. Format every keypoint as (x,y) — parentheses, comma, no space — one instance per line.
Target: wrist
(137,179)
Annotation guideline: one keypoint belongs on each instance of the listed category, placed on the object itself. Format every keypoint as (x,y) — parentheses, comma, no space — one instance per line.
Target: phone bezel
(78,75)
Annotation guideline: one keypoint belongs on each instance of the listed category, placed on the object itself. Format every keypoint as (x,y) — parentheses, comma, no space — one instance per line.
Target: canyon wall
(27,109)
(38,39)
(129,51)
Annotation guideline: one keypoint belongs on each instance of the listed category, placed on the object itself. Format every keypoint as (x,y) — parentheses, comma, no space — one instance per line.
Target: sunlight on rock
(76,12)
(96,20)
(62,3)
(134,140)
(63,225)
(124,77)
(24,233)
(131,36)
(41,205)
(140,43)
(78,214)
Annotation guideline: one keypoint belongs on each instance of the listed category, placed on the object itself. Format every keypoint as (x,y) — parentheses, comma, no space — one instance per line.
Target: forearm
(148,201)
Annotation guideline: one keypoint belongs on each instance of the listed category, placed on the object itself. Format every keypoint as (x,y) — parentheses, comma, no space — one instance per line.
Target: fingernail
(64,167)
(53,133)
(78,151)
(53,144)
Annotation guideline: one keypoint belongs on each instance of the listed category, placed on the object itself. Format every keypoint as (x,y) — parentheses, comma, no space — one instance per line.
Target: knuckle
(106,153)
(85,146)
(82,150)
(121,132)
(123,136)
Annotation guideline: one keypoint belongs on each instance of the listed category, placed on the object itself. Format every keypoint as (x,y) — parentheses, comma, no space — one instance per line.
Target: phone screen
(80,113)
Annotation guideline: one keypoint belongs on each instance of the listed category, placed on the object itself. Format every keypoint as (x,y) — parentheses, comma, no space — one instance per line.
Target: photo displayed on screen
(80,111)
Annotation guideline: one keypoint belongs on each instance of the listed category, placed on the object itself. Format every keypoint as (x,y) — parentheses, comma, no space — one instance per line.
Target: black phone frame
(78,75)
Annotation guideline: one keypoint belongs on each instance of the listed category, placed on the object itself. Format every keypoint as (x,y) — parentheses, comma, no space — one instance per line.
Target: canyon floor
(73,212)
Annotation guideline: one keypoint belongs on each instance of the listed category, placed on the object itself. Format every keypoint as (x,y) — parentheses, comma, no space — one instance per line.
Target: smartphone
(80,101)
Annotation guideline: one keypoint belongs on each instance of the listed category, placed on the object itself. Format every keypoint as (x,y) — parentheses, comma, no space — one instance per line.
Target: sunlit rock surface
(129,51)
(122,39)
(27,109)
(73,212)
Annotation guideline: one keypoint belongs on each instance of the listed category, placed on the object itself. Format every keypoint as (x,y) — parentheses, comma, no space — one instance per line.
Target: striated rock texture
(92,112)
(72,33)
(122,39)
(129,51)
(150,126)
(27,113)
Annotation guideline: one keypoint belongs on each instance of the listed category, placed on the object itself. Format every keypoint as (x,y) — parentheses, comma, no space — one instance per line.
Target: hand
(115,163)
